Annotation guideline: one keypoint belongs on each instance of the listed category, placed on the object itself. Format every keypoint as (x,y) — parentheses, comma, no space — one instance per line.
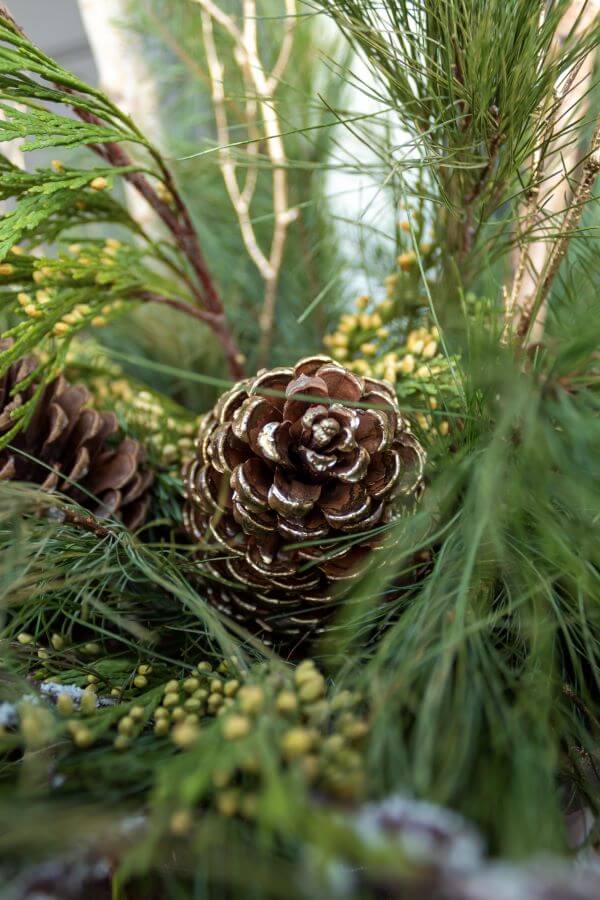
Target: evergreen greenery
(466,670)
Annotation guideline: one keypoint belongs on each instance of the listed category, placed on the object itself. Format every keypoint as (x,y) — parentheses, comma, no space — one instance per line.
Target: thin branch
(572,217)
(553,165)
(83,521)
(261,89)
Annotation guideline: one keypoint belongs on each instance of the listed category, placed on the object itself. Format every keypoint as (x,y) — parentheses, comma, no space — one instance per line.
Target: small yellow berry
(137,713)
(190,685)
(88,702)
(286,702)
(185,735)
(18,251)
(407,364)
(214,702)
(296,742)
(23,299)
(122,742)
(6,269)
(171,687)
(99,183)
(24,638)
(83,737)
(192,704)
(406,261)
(61,328)
(65,705)
(57,165)
(230,688)
(161,727)
(126,725)
(98,321)
(356,731)
(443,428)
(251,699)
(236,727)
(227,803)
(312,689)
(140,681)
(181,822)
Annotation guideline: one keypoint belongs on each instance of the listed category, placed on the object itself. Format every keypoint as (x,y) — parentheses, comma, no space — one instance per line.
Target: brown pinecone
(274,469)
(69,447)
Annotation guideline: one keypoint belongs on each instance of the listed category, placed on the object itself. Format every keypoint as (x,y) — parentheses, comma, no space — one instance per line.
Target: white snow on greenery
(51,690)
(423,831)
(441,854)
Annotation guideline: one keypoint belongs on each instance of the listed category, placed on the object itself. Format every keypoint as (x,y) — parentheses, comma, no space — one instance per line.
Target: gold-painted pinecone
(70,447)
(274,469)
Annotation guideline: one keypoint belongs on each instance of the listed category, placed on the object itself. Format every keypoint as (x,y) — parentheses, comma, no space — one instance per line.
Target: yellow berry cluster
(373,344)
(52,275)
(316,733)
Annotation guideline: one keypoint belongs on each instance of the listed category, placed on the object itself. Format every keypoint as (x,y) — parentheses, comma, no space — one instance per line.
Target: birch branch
(126,78)
(261,87)
(555,189)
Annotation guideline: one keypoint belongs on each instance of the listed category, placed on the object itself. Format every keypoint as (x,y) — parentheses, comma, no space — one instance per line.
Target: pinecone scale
(285,462)
(70,447)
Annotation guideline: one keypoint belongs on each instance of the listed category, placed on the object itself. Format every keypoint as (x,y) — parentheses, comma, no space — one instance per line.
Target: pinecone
(67,447)
(274,468)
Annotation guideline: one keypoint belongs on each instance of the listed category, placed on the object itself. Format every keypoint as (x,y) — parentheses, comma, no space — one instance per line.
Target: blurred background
(56,25)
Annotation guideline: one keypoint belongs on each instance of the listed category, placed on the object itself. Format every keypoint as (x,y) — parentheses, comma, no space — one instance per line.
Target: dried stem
(557,251)
(539,250)
(83,521)
(261,88)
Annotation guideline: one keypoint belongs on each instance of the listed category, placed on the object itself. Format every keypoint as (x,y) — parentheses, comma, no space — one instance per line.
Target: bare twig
(553,167)
(86,522)
(261,88)
(557,250)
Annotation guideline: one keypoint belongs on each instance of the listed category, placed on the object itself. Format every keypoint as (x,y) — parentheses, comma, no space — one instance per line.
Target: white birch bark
(125,76)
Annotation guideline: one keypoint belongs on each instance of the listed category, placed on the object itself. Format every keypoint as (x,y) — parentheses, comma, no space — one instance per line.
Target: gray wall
(56,26)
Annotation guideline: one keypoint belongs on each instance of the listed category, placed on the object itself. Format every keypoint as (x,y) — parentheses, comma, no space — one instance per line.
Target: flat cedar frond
(46,129)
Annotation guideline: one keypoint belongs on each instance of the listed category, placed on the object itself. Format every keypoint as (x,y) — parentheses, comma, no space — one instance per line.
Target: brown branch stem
(179,223)
(83,521)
